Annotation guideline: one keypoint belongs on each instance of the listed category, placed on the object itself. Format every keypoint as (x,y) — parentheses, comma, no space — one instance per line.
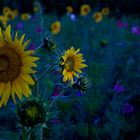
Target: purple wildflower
(127,108)
(55,121)
(79,93)
(39,29)
(135,30)
(19,25)
(72,17)
(118,88)
(121,24)
(32,46)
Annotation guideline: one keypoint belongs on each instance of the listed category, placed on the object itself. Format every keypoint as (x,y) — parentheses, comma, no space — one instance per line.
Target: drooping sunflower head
(85,9)
(105,11)
(69,9)
(98,17)
(82,84)
(55,27)
(32,112)
(15,66)
(48,44)
(72,63)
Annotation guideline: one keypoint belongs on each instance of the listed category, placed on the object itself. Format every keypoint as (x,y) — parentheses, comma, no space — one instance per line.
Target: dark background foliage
(117,7)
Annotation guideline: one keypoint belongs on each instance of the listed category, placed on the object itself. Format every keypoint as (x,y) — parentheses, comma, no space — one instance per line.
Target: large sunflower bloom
(72,63)
(15,67)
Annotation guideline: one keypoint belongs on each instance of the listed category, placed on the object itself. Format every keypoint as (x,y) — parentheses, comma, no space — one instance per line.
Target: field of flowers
(69,77)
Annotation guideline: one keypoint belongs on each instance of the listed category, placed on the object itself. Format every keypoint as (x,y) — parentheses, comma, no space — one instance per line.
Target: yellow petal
(8,34)
(7,92)
(17,89)
(21,39)
(24,87)
(27,78)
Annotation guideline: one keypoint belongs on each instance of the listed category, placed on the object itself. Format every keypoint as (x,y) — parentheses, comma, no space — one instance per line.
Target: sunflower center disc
(70,63)
(4,63)
(10,64)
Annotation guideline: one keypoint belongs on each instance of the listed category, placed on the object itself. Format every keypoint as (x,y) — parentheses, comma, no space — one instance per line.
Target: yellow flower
(3,20)
(85,9)
(97,16)
(25,16)
(9,15)
(36,9)
(72,63)
(55,27)
(69,9)
(5,10)
(15,13)
(32,112)
(15,66)
(105,11)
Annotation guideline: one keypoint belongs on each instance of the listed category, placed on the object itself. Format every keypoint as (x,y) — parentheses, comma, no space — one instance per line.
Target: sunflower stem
(46,71)
(24,133)
(35,86)
(55,99)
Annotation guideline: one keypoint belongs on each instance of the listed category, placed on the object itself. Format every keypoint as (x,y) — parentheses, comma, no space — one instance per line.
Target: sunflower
(3,20)
(72,63)
(5,10)
(105,11)
(85,9)
(15,66)
(55,27)
(32,112)
(25,16)
(15,13)
(97,16)
(9,15)
(36,9)
(69,9)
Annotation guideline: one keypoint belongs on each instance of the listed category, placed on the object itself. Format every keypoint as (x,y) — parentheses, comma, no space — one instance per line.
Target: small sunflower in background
(69,9)
(72,63)
(105,11)
(5,10)
(15,66)
(98,17)
(9,15)
(3,20)
(25,16)
(36,9)
(15,13)
(85,9)
(55,27)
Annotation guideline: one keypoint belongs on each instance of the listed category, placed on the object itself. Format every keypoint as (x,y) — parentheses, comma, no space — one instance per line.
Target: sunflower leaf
(8,135)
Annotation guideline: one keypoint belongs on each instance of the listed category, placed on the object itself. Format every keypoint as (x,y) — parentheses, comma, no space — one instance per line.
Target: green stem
(24,133)
(35,86)
(54,100)
(46,71)
(37,50)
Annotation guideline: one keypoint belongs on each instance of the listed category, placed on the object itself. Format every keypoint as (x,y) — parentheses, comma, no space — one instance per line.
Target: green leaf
(8,135)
